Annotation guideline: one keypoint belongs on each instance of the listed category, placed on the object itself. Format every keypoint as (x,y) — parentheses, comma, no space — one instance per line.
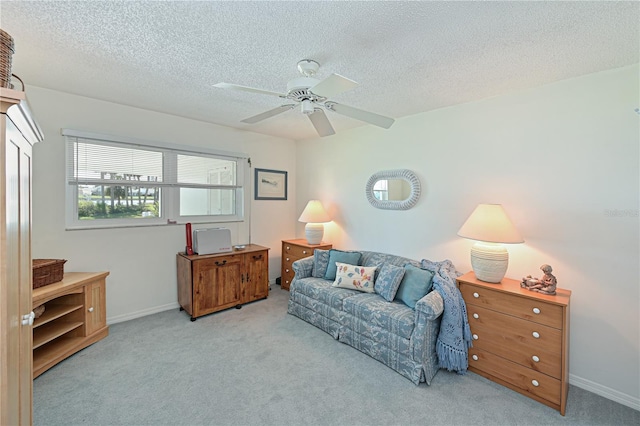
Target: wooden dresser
(213,282)
(520,338)
(74,317)
(293,250)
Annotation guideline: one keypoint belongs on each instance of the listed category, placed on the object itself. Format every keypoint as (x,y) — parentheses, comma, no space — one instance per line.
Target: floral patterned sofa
(401,337)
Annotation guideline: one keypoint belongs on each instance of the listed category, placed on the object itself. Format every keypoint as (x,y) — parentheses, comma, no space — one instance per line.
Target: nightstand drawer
(527,343)
(296,252)
(287,277)
(523,378)
(522,307)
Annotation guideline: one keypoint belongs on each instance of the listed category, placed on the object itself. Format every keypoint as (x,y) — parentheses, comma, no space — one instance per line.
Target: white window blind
(117,182)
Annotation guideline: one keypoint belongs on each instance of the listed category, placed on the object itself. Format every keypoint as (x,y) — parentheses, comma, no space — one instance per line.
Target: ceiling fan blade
(359,114)
(333,85)
(321,123)
(267,114)
(247,89)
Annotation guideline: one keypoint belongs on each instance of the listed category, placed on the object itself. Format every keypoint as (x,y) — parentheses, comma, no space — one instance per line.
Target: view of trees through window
(125,201)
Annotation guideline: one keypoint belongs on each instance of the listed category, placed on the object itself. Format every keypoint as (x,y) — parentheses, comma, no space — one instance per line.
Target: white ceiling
(409,57)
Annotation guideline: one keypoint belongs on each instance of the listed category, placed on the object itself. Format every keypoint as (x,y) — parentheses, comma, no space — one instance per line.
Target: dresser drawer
(295,251)
(529,309)
(533,345)
(529,381)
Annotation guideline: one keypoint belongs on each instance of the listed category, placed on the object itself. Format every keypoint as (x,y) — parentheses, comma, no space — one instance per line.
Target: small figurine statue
(546,284)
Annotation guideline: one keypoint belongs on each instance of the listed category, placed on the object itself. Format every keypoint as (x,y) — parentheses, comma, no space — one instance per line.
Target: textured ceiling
(409,57)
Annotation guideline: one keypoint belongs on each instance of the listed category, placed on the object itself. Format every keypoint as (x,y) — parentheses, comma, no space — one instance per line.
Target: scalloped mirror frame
(403,174)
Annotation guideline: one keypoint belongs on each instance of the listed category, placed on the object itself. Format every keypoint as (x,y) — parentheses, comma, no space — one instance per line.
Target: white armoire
(19,133)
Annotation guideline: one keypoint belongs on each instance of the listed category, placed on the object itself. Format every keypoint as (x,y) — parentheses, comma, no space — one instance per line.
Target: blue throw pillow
(388,281)
(415,284)
(350,257)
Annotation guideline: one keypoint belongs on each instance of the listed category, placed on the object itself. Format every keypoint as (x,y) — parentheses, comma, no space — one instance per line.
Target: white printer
(212,240)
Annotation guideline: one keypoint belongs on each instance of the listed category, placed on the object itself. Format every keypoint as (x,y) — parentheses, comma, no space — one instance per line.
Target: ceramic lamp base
(314,232)
(489,261)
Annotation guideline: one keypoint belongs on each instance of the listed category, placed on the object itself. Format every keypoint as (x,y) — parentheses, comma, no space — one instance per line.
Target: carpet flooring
(260,366)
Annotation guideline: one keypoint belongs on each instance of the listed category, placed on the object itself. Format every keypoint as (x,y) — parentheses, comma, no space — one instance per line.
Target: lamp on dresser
(314,215)
(490,227)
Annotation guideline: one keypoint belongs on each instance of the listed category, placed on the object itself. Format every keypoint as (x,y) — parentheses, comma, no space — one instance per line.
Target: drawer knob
(286,270)
(536,311)
(535,359)
(475,337)
(476,295)
(475,357)
(287,259)
(304,252)
(476,316)
(287,281)
(536,334)
(90,309)
(288,248)
(535,383)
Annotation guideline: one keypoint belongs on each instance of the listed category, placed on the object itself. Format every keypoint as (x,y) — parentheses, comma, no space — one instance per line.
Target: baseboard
(143,313)
(605,392)
(154,310)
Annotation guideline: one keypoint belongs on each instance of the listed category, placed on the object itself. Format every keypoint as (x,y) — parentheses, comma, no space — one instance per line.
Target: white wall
(560,158)
(141,261)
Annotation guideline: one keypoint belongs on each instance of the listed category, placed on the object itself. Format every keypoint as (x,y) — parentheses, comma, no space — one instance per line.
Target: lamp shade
(314,213)
(490,223)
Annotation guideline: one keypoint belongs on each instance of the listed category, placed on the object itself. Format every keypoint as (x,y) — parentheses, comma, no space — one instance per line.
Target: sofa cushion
(322,291)
(415,284)
(388,281)
(355,277)
(397,318)
(320,262)
(350,257)
(372,258)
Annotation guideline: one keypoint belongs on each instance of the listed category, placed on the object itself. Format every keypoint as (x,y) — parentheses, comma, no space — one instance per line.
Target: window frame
(169,213)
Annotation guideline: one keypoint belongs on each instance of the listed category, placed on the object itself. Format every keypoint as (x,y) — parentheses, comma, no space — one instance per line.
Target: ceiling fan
(311,94)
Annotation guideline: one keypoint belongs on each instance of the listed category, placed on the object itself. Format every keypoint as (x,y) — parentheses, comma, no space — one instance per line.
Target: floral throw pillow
(388,281)
(355,277)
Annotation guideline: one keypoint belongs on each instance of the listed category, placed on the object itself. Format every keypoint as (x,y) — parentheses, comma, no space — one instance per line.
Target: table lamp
(314,215)
(490,226)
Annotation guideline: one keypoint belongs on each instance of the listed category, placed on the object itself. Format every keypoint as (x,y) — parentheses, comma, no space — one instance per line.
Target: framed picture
(270,185)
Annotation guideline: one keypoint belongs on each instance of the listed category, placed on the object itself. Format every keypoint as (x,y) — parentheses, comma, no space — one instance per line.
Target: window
(381,190)
(112,182)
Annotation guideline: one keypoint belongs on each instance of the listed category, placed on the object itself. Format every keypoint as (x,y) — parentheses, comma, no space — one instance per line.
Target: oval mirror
(393,189)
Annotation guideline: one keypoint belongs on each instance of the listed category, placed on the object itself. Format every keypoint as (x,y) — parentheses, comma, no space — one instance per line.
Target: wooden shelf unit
(74,317)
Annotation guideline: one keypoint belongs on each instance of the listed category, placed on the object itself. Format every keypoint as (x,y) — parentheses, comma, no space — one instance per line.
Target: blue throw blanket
(454,339)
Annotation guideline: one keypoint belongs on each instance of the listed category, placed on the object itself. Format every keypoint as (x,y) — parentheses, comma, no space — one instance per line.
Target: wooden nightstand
(293,250)
(520,338)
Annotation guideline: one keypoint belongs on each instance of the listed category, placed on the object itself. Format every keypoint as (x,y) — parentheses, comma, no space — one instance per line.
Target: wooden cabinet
(520,338)
(74,317)
(19,132)
(293,250)
(213,282)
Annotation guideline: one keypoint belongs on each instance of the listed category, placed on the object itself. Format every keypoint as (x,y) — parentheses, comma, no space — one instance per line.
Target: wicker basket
(7,49)
(47,271)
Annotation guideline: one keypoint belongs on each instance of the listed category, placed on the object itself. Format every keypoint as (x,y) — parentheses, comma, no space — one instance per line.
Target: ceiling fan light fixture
(307,107)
